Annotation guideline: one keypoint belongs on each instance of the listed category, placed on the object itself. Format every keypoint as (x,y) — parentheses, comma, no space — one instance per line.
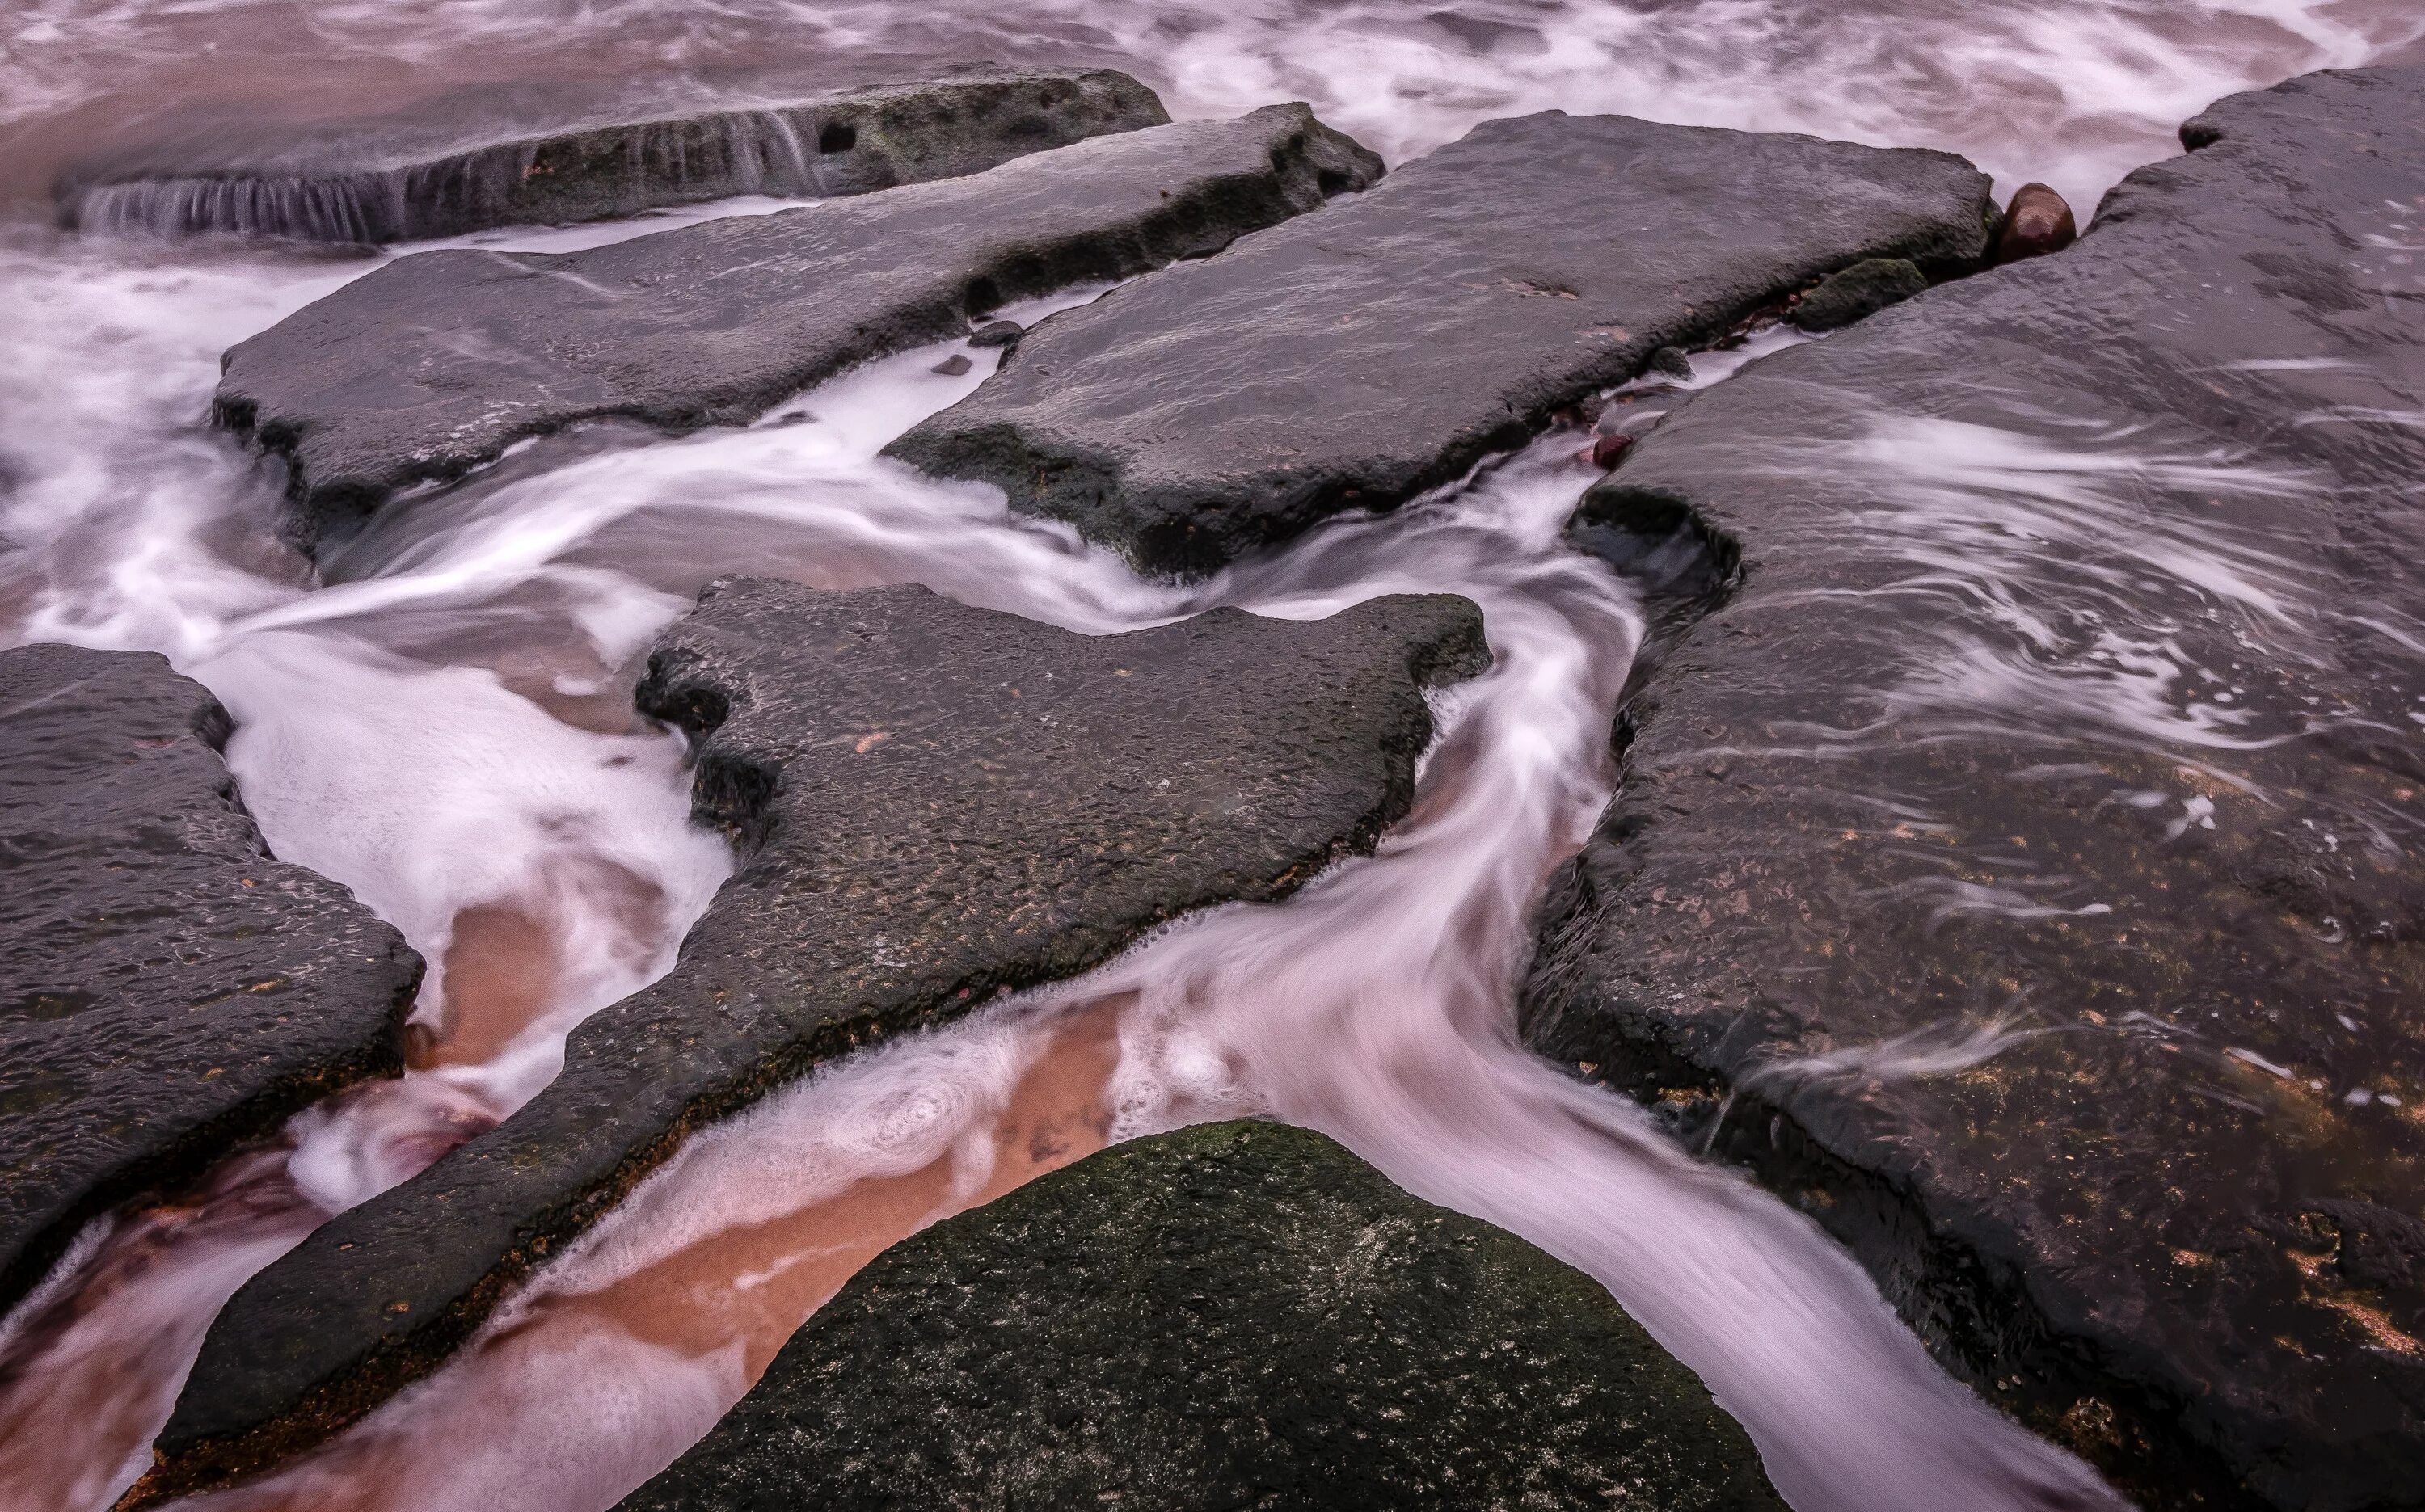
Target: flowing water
(439,717)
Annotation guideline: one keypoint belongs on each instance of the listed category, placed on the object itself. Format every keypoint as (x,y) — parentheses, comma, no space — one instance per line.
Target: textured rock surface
(1361,355)
(406,181)
(1237,1314)
(437,362)
(2073,678)
(936,803)
(166,989)
(1858,292)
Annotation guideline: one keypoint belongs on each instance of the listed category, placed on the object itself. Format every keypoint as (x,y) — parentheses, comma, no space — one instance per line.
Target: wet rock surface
(1360,356)
(409,180)
(1858,292)
(2037,222)
(935,803)
(1237,1314)
(2029,846)
(437,362)
(166,988)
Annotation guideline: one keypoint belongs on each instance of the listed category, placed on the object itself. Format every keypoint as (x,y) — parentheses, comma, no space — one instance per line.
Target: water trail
(444,724)
(1374,1005)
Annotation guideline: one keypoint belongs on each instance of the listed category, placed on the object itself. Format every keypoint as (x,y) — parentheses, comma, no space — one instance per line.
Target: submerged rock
(2038,221)
(167,990)
(2022,870)
(1237,1314)
(1362,355)
(437,362)
(936,803)
(1858,292)
(403,181)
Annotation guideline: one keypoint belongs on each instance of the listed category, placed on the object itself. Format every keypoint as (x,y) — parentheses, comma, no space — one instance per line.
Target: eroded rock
(167,990)
(437,362)
(408,180)
(1361,355)
(1234,1314)
(2029,847)
(936,803)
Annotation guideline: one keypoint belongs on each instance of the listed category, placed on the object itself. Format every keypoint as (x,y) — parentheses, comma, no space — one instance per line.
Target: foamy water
(444,723)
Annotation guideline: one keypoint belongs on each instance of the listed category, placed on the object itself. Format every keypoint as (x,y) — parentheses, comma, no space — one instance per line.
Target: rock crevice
(936,804)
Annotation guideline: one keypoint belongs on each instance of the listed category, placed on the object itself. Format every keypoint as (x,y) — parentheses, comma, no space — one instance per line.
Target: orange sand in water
(751,1285)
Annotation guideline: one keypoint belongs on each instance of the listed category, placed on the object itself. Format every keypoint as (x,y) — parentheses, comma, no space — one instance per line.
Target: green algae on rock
(1235,1315)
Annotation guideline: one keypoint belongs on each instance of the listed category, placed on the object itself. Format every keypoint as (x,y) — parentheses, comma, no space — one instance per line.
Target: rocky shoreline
(1992,871)
(2012,865)
(173,991)
(435,364)
(934,804)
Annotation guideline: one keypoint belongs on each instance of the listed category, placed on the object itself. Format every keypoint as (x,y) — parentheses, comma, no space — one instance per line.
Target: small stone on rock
(1606,449)
(996,333)
(2035,223)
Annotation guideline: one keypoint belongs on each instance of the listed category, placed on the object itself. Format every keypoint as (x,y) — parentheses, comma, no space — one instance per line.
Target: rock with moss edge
(1236,1314)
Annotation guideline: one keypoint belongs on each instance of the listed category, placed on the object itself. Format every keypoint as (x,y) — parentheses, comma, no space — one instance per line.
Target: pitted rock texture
(408,180)
(437,362)
(935,803)
(2070,681)
(167,990)
(1357,356)
(1237,1314)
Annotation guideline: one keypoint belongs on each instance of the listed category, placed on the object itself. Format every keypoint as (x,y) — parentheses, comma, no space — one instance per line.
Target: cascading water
(442,723)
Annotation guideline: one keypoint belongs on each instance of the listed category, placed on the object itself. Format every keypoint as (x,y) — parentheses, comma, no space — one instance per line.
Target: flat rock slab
(1359,357)
(407,181)
(936,804)
(167,990)
(438,361)
(2073,681)
(1237,1314)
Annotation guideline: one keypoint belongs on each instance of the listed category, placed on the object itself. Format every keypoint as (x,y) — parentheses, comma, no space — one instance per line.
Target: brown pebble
(2035,223)
(1605,450)
(953,365)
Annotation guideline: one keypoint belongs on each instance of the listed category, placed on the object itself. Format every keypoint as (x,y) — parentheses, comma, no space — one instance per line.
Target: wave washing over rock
(2048,635)
(372,184)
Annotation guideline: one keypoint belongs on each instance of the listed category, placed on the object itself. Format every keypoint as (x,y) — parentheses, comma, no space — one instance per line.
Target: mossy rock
(1234,1316)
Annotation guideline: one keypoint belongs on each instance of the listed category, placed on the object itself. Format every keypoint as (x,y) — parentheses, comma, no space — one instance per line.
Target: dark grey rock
(1361,355)
(936,803)
(1237,1314)
(437,362)
(1993,725)
(996,333)
(1673,362)
(1858,292)
(407,181)
(167,990)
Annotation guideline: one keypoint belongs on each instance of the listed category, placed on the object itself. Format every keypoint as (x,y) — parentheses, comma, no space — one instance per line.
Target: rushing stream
(440,719)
